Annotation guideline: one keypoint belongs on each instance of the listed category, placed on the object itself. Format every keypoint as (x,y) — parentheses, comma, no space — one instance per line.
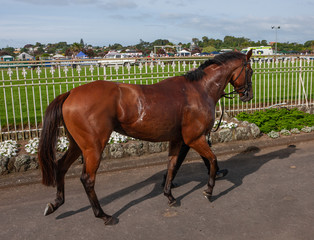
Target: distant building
(58,56)
(184,53)
(24,57)
(6,58)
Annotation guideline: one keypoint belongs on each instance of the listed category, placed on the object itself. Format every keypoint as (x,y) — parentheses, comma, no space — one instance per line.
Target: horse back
(151,112)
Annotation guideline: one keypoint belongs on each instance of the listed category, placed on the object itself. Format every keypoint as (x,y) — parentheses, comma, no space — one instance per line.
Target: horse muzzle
(247,95)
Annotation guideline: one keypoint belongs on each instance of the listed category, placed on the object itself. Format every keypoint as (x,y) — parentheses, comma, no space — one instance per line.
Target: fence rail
(26,88)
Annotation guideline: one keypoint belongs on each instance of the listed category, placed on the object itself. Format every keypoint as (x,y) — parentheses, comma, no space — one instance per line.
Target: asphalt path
(268,194)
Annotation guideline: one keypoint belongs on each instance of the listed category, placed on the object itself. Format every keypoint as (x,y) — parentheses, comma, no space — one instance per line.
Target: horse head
(241,79)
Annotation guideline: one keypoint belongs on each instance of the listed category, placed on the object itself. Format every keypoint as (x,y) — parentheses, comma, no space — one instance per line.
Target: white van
(259,51)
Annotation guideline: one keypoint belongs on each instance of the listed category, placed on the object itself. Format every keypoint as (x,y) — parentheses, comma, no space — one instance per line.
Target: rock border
(134,148)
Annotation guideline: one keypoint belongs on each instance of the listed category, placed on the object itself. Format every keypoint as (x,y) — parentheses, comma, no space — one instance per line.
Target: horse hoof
(207,194)
(49,209)
(221,173)
(111,221)
(172,203)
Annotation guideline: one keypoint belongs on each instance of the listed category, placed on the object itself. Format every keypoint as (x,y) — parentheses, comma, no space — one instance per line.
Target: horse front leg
(201,146)
(174,148)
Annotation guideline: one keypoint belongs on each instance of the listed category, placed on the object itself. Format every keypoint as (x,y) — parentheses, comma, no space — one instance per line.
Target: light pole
(276,28)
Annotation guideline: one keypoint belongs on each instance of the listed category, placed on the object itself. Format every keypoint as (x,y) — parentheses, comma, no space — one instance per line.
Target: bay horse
(179,109)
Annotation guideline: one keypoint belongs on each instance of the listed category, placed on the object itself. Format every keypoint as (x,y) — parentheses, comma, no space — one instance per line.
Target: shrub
(278,119)
(273,134)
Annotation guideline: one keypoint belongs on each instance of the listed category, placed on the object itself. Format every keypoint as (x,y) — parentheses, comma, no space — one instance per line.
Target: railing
(26,88)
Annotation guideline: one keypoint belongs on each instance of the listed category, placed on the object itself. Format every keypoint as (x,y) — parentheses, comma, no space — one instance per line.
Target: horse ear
(248,55)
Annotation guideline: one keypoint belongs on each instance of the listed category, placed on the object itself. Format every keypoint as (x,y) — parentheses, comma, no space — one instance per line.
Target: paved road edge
(29,177)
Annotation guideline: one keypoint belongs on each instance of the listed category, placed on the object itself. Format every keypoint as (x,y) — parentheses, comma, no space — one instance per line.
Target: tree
(76,48)
(68,52)
(90,53)
(209,49)
(196,50)
(28,46)
(45,55)
(161,51)
(161,42)
(309,46)
(115,46)
(8,51)
(195,41)
(82,43)
(39,51)
(143,45)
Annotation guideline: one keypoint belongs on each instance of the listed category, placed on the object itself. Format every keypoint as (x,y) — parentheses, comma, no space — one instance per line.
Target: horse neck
(218,77)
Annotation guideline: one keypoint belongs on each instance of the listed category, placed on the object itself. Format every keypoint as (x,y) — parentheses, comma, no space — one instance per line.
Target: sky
(104,22)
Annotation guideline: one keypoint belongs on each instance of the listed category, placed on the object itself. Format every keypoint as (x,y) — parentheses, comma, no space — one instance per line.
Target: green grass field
(24,97)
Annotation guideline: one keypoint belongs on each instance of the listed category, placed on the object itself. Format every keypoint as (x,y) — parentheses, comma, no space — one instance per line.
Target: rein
(245,87)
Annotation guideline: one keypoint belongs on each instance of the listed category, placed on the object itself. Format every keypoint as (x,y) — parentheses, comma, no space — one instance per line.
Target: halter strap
(246,86)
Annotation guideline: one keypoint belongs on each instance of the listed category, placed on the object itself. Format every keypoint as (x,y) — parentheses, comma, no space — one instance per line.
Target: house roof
(24,55)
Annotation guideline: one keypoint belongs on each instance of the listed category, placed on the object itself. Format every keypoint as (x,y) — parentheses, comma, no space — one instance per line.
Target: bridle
(245,89)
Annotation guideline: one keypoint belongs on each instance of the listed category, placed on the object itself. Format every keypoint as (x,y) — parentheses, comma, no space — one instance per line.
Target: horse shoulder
(130,104)
(197,120)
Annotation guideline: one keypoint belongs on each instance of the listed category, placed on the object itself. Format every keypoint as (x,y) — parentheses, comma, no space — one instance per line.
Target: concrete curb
(110,165)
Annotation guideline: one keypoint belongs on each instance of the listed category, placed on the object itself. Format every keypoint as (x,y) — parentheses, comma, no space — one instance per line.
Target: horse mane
(198,74)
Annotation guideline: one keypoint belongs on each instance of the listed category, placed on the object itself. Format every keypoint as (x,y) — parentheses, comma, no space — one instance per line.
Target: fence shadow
(242,165)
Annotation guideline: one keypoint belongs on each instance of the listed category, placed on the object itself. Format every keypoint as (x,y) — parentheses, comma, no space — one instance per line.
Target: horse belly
(152,129)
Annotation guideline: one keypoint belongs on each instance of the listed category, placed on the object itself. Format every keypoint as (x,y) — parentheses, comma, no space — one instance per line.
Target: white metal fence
(26,88)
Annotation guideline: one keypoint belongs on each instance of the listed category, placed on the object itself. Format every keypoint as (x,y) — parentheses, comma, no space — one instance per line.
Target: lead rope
(223,109)
(221,116)
(230,93)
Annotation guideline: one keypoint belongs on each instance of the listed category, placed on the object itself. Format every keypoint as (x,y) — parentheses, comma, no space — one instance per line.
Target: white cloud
(126,21)
(118,4)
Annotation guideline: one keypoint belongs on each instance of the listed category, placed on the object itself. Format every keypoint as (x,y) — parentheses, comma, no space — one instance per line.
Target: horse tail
(48,140)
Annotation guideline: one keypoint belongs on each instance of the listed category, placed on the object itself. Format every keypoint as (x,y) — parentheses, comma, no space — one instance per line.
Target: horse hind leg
(181,156)
(92,155)
(63,165)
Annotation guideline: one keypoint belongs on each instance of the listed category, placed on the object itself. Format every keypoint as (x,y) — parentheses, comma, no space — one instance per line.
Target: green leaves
(278,119)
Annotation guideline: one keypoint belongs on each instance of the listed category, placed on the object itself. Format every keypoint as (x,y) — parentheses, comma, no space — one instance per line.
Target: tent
(205,54)
(25,56)
(184,53)
(81,55)
(113,54)
(58,56)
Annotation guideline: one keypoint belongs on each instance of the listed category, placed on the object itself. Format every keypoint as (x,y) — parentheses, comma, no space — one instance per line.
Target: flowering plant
(225,124)
(62,144)
(295,131)
(8,148)
(273,134)
(32,146)
(285,132)
(306,129)
(117,138)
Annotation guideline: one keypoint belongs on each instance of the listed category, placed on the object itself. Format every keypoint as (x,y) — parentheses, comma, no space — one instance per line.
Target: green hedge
(278,119)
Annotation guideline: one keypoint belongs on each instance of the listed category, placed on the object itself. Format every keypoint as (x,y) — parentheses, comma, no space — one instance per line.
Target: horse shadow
(241,165)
